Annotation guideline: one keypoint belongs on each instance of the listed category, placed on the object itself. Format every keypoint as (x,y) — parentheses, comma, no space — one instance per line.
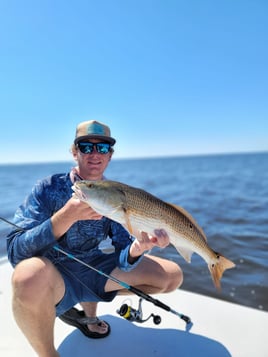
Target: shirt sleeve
(36,235)
(123,260)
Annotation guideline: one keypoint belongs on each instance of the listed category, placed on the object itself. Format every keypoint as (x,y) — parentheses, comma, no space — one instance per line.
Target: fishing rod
(131,288)
(125,311)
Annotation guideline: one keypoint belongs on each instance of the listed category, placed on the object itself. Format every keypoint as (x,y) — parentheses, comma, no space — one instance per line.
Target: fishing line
(12,224)
(130,288)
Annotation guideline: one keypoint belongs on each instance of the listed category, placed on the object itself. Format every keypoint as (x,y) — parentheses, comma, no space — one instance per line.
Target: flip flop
(77,318)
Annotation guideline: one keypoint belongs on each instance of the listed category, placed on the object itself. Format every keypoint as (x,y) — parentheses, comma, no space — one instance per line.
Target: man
(47,284)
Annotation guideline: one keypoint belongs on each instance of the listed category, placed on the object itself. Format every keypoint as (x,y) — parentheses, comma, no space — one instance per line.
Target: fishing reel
(133,315)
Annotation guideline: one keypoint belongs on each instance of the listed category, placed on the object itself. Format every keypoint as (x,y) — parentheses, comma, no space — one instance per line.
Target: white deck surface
(219,329)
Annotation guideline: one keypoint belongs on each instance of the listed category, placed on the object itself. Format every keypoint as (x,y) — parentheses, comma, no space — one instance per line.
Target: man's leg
(152,275)
(37,288)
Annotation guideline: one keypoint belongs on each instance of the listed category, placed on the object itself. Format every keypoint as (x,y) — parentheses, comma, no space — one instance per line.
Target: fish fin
(128,224)
(185,253)
(123,207)
(217,269)
(189,216)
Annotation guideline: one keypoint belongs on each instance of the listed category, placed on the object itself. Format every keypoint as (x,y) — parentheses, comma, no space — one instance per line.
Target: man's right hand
(74,210)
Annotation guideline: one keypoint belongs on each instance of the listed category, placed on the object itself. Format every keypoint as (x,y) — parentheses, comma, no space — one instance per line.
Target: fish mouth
(79,193)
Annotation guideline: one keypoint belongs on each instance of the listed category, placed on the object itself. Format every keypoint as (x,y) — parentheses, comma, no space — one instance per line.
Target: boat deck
(218,329)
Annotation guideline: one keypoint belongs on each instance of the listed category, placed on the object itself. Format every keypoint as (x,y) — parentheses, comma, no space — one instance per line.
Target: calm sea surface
(226,194)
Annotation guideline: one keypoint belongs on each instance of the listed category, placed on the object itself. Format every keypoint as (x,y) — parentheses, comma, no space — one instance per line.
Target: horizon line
(141,157)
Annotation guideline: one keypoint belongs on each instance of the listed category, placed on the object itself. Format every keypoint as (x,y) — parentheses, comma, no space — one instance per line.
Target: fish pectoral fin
(185,253)
(127,224)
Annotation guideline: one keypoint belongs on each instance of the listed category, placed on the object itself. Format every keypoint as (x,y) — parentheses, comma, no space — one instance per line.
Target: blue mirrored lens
(87,148)
(103,148)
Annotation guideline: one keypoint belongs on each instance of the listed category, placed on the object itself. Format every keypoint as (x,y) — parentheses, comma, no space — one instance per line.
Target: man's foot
(91,327)
(100,326)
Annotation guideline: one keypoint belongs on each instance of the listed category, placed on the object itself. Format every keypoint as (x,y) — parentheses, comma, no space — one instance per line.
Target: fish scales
(143,209)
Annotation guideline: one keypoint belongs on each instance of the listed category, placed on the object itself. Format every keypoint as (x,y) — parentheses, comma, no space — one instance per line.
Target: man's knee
(165,274)
(174,278)
(33,277)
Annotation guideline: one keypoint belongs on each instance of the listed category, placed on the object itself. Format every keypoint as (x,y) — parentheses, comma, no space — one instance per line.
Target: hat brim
(108,139)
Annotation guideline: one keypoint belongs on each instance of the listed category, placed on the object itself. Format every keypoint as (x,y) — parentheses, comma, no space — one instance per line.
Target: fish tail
(217,268)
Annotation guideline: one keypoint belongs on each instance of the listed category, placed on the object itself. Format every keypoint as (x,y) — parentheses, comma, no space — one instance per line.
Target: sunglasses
(87,148)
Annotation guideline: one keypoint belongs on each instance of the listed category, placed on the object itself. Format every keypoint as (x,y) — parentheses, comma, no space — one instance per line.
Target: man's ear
(73,151)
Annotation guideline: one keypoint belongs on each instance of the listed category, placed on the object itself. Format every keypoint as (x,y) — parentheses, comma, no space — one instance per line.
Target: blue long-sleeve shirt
(81,240)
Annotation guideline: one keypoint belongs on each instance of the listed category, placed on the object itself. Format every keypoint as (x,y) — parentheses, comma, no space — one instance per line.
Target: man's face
(92,164)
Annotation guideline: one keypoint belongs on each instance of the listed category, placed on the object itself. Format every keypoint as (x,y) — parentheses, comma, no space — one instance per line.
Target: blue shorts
(83,284)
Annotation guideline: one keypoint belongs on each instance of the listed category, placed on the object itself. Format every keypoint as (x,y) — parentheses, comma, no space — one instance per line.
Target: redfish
(138,210)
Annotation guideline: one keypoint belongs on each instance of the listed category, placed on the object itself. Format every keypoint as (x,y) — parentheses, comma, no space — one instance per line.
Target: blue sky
(170,77)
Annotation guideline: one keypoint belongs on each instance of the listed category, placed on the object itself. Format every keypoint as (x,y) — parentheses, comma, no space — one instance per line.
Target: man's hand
(146,242)
(74,210)
(80,210)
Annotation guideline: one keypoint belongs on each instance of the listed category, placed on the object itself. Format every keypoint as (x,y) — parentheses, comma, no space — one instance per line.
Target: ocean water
(226,194)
